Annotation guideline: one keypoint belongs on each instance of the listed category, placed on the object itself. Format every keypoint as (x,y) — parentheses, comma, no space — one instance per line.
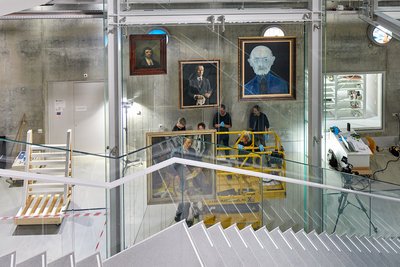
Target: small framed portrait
(148,54)
(170,184)
(267,68)
(199,83)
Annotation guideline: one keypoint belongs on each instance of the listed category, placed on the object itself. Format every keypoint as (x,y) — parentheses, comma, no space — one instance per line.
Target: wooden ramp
(45,203)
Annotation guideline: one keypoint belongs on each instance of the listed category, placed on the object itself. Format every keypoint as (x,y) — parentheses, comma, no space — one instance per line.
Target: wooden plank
(44,204)
(39,199)
(27,204)
(55,198)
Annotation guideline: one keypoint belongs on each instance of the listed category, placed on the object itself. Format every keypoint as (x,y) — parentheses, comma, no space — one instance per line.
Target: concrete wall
(348,49)
(34,52)
(157,96)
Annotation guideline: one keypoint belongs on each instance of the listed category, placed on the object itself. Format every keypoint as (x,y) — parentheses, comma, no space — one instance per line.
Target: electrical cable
(387,164)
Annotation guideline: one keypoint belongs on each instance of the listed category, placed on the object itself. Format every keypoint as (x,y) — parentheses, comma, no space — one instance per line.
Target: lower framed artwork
(176,182)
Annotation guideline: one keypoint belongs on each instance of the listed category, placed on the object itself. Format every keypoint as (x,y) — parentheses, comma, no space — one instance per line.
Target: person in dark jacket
(259,123)
(180,125)
(222,122)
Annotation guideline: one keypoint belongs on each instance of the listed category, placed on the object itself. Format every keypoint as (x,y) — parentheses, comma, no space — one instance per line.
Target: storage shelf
(338,91)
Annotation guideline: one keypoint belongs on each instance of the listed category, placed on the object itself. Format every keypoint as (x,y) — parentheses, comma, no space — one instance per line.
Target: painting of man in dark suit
(266,68)
(199,83)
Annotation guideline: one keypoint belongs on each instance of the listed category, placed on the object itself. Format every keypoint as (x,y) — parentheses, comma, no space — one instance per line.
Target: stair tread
(272,248)
(256,246)
(223,246)
(204,245)
(241,247)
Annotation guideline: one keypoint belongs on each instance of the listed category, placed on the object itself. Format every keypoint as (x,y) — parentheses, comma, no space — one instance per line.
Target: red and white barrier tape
(101,234)
(55,216)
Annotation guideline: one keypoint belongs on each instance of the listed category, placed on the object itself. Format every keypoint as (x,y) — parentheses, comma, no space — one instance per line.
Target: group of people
(222,122)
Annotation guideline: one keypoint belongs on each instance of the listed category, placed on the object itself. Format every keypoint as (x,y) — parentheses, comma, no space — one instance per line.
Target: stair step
(362,255)
(45,191)
(38,260)
(8,260)
(46,162)
(371,254)
(319,254)
(335,259)
(257,247)
(283,244)
(332,246)
(390,256)
(48,170)
(223,246)
(48,155)
(241,248)
(176,249)
(65,261)
(272,248)
(346,249)
(205,246)
(377,251)
(390,253)
(308,256)
(48,146)
(91,261)
(45,185)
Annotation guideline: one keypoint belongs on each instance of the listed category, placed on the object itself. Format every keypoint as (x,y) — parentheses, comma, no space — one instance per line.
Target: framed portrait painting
(199,83)
(170,184)
(267,68)
(148,54)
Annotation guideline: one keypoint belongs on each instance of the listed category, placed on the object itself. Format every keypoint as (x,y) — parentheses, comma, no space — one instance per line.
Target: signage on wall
(59,106)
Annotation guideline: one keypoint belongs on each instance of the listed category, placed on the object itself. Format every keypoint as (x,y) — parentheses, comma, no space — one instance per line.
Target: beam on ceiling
(187,16)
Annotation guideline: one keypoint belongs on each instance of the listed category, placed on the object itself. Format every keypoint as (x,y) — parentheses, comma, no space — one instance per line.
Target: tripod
(343,202)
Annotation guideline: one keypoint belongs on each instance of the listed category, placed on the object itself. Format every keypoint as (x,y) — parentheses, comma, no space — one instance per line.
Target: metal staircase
(179,245)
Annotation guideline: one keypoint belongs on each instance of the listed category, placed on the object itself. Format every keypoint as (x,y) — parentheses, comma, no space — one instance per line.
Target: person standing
(259,123)
(222,122)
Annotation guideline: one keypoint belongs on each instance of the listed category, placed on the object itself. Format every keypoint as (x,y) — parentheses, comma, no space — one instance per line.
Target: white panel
(89,117)
(60,98)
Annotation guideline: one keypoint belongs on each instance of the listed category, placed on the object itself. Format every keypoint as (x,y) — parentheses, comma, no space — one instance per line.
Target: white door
(83,113)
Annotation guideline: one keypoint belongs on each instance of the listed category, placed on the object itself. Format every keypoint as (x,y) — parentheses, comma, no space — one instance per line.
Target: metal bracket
(222,19)
(114,151)
(307,16)
(317,139)
(212,20)
(316,26)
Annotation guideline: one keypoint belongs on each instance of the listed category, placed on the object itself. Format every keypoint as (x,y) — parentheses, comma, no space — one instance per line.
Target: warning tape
(101,234)
(74,215)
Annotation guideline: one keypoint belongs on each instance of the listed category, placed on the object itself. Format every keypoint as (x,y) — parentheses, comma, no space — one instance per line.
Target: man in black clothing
(180,125)
(259,123)
(222,122)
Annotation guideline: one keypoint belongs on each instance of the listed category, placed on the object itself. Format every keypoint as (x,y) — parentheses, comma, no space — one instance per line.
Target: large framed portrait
(177,181)
(199,83)
(267,68)
(148,54)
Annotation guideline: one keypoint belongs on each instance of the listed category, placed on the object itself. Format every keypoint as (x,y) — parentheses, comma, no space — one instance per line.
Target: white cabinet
(345,96)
